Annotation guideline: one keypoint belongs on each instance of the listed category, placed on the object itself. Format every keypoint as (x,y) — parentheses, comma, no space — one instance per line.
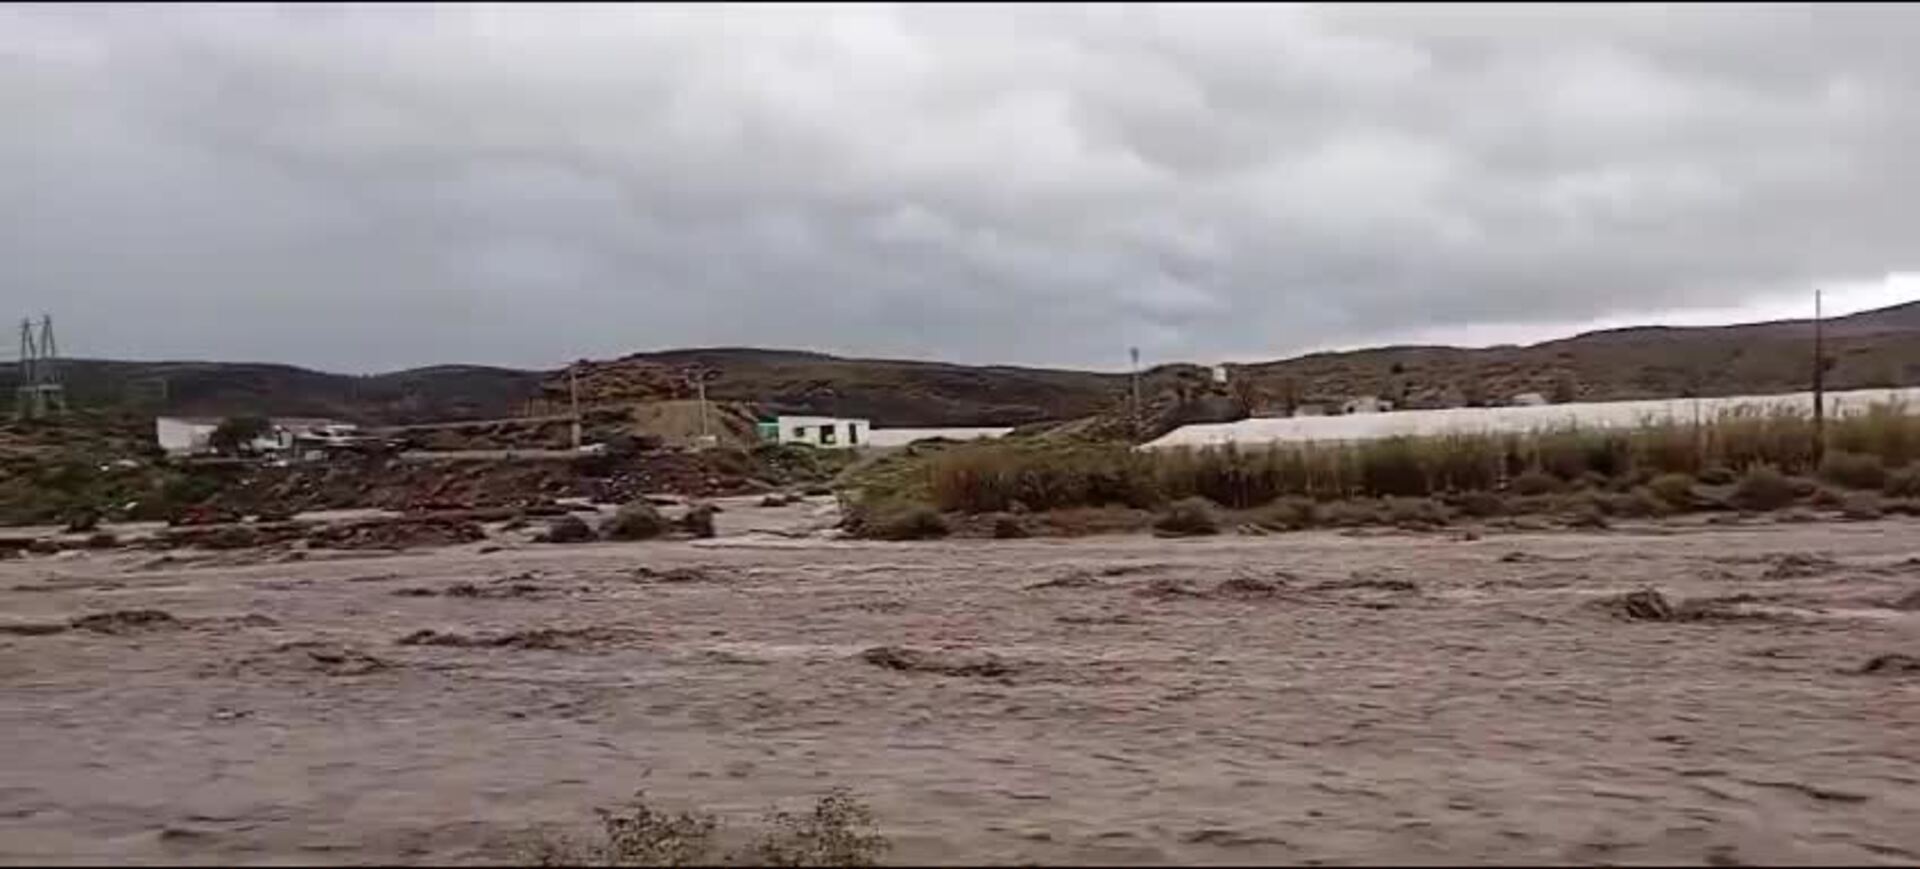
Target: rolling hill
(1872,348)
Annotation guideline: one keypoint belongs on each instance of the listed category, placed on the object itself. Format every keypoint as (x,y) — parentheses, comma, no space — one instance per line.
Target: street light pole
(701,386)
(698,375)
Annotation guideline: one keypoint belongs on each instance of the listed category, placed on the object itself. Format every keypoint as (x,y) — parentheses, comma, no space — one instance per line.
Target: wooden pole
(1819,385)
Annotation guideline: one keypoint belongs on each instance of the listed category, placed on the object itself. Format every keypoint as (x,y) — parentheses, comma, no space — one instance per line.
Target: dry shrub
(1417,511)
(1640,503)
(1887,431)
(1861,506)
(699,520)
(568,529)
(1534,482)
(1675,489)
(1287,514)
(839,831)
(1587,515)
(1047,476)
(1188,517)
(988,478)
(1082,521)
(635,835)
(1350,513)
(1764,488)
(1901,506)
(637,520)
(1008,527)
(1902,483)
(1479,504)
(896,521)
(1853,470)
(1719,475)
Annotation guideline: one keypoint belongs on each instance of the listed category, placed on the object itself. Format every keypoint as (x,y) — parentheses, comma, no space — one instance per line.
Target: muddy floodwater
(1298,698)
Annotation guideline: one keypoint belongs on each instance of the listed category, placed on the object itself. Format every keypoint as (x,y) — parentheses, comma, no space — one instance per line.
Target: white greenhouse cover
(1473,420)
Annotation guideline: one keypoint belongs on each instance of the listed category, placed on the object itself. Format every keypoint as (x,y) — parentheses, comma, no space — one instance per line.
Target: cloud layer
(361,188)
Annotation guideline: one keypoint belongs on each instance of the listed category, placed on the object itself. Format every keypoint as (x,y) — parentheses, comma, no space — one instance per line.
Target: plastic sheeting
(1470,420)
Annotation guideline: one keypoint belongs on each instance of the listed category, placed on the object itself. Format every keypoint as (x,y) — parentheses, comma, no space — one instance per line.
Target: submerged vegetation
(839,831)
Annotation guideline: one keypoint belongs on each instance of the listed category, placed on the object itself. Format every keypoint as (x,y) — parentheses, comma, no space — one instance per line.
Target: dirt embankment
(465,484)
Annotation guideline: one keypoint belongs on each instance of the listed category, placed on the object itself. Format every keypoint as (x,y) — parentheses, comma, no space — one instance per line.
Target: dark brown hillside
(1873,348)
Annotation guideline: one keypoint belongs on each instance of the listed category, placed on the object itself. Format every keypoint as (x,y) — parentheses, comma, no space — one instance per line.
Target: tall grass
(997,476)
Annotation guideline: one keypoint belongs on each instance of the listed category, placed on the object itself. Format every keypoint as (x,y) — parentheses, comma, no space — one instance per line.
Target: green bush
(1853,470)
(1764,488)
(1188,517)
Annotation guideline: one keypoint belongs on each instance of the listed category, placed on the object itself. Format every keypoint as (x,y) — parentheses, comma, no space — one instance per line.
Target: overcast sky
(364,188)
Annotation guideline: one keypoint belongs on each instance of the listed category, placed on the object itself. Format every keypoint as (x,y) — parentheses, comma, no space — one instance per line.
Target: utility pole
(40,392)
(1819,385)
(573,399)
(698,376)
(1133,412)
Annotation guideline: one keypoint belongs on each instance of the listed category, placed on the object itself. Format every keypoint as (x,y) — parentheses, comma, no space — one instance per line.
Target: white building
(1529,399)
(827,432)
(184,436)
(193,435)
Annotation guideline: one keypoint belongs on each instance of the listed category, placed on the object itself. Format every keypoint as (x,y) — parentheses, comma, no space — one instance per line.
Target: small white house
(187,436)
(826,432)
(1366,404)
(183,436)
(1529,399)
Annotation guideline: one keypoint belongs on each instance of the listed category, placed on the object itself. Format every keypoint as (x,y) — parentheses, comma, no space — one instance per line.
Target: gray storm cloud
(361,188)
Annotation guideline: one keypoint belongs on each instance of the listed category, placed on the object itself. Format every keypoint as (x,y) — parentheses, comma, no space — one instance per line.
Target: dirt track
(1393,698)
